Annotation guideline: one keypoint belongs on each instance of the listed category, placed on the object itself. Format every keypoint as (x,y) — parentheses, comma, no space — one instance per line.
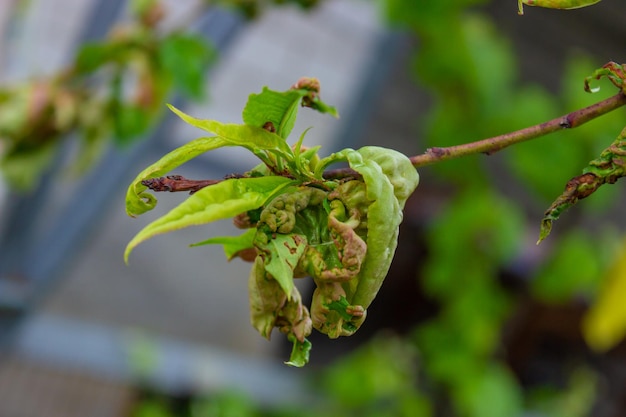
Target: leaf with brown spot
(281,254)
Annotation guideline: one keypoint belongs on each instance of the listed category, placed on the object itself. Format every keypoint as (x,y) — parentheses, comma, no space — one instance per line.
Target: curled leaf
(138,201)
(606,169)
(384,213)
(299,353)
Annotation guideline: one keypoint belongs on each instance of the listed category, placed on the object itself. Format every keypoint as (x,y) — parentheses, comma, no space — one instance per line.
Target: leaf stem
(496,143)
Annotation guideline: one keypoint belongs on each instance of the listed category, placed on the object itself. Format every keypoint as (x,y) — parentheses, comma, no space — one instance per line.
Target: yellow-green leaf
(605,323)
(220,201)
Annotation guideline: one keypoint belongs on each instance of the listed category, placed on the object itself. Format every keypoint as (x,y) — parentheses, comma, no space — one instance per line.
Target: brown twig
(496,143)
(174,183)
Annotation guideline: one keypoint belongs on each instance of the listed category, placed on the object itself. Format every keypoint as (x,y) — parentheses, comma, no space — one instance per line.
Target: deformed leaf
(137,200)
(299,353)
(340,306)
(223,200)
(390,178)
(605,169)
(284,252)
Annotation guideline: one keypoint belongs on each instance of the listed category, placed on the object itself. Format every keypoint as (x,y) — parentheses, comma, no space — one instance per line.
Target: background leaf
(253,138)
(187,58)
(605,323)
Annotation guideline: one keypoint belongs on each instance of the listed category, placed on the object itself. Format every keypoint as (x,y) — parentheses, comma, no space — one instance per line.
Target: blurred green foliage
(113,90)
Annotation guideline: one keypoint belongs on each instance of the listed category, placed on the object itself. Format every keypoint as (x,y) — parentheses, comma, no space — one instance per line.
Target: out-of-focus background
(473,320)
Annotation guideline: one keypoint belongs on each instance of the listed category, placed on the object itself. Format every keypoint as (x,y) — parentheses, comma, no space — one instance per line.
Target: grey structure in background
(83,301)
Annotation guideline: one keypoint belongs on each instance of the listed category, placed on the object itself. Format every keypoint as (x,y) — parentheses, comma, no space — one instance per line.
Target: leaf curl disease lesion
(340,231)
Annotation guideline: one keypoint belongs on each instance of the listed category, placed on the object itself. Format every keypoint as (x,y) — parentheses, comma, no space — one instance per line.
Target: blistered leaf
(232,244)
(137,200)
(223,200)
(605,323)
(384,213)
(284,252)
(266,299)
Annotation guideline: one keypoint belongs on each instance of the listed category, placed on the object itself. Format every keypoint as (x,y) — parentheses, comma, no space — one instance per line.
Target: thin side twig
(175,183)
(496,143)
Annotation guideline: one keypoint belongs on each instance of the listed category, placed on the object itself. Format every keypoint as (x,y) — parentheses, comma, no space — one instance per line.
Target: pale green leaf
(232,244)
(223,200)
(251,137)
(137,200)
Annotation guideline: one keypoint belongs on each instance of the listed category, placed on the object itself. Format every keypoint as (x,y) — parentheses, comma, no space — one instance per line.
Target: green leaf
(130,121)
(284,251)
(187,58)
(137,200)
(279,108)
(92,56)
(251,137)
(493,392)
(223,200)
(232,244)
(299,353)
(573,269)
